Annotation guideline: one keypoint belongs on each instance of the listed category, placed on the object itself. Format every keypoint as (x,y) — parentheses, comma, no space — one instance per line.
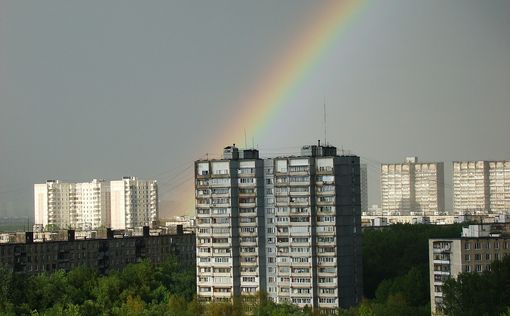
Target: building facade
(474,251)
(134,203)
(75,205)
(412,187)
(107,254)
(230,225)
(123,204)
(481,186)
(470,186)
(289,226)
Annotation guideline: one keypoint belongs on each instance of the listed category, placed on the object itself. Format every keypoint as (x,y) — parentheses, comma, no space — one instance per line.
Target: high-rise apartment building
(230,224)
(77,205)
(121,204)
(289,226)
(412,186)
(481,186)
(474,251)
(499,186)
(134,203)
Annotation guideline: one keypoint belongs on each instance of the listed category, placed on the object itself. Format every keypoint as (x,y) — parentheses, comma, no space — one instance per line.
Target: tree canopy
(487,293)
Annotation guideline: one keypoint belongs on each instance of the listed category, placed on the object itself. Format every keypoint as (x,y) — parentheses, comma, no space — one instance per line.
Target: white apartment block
(412,187)
(134,203)
(481,186)
(474,251)
(499,186)
(88,205)
(289,226)
(53,204)
(76,205)
(92,204)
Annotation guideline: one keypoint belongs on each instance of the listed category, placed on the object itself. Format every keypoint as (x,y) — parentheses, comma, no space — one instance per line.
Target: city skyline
(103,90)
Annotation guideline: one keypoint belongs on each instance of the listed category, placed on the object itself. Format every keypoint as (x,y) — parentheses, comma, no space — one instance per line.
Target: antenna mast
(325,126)
(245,142)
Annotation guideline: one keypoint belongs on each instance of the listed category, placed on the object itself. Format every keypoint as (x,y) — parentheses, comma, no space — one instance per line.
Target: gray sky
(103,89)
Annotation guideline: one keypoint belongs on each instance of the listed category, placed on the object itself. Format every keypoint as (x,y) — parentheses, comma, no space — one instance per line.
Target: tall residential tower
(289,226)
(412,186)
(481,186)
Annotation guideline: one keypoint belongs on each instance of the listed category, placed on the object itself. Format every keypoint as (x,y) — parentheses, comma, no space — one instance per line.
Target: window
(221,259)
(248,289)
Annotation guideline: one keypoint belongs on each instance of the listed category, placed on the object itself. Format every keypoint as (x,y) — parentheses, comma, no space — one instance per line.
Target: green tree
(392,251)
(479,294)
(177,278)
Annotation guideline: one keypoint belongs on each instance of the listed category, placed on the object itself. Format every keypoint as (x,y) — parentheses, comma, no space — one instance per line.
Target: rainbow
(285,75)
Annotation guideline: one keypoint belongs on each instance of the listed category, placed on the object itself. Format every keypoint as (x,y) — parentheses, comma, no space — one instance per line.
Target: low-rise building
(113,252)
(474,251)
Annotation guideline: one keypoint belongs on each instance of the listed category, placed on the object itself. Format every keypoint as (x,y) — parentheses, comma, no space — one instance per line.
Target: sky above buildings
(105,89)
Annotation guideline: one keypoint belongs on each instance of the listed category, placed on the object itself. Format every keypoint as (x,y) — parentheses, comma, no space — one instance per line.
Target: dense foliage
(81,291)
(395,268)
(487,293)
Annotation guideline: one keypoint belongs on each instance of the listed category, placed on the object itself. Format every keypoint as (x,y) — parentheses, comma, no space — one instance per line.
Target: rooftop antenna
(252,142)
(325,134)
(245,142)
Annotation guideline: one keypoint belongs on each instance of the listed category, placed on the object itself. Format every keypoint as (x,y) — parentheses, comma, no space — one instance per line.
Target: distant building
(289,226)
(134,203)
(383,220)
(474,251)
(481,186)
(412,187)
(76,205)
(113,252)
(127,203)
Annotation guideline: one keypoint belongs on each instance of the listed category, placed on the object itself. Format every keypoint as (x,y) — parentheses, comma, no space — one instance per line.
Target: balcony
(325,171)
(299,203)
(442,249)
(299,172)
(325,203)
(247,194)
(301,285)
(441,272)
(247,204)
